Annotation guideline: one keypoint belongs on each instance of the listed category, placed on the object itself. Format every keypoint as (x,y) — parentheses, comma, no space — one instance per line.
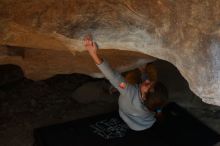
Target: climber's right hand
(90,46)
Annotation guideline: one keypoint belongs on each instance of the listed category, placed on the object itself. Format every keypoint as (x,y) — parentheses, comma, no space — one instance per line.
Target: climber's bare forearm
(97,59)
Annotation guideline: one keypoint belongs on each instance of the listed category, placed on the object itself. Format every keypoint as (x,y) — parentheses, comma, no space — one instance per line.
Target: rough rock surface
(40,35)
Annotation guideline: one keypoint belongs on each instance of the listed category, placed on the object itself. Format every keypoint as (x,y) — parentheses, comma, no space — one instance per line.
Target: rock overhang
(46,36)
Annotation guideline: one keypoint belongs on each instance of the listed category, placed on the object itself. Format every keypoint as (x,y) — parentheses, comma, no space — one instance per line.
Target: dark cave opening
(28,104)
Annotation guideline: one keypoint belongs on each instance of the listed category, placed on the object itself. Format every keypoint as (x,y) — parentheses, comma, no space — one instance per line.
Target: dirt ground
(27,104)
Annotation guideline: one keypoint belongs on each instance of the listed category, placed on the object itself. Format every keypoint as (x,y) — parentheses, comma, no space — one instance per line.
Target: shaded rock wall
(48,36)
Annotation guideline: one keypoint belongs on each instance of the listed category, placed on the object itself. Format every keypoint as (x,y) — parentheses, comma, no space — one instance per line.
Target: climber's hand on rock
(90,46)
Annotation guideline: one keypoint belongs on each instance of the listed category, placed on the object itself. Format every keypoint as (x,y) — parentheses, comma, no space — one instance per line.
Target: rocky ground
(27,104)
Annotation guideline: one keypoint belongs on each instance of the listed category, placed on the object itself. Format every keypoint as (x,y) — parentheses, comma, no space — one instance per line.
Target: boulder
(44,37)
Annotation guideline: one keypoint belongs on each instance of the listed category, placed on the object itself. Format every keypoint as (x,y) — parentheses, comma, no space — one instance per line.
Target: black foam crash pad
(178,128)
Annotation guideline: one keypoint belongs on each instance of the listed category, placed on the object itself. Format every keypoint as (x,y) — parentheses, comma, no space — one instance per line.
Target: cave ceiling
(44,37)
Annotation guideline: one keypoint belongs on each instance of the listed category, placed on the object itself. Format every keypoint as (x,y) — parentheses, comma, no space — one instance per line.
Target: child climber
(138,103)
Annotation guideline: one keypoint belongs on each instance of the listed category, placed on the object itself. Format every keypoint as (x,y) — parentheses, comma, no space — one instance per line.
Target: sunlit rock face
(44,37)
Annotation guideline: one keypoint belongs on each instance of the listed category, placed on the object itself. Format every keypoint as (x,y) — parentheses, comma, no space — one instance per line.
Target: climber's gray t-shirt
(131,109)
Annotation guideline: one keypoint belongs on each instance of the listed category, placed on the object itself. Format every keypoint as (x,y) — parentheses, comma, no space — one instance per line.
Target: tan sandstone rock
(44,37)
